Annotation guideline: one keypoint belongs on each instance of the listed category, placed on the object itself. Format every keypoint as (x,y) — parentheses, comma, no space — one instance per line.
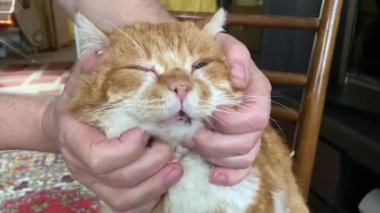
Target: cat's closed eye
(141,68)
(199,64)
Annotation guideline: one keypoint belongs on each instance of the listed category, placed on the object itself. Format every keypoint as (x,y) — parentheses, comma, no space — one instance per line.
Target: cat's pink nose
(180,88)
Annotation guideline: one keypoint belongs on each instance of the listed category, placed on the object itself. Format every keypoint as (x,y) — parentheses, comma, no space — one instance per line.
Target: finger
(149,190)
(254,111)
(228,177)
(88,61)
(239,59)
(236,162)
(148,164)
(76,167)
(102,155)
(143,209)
(217,145)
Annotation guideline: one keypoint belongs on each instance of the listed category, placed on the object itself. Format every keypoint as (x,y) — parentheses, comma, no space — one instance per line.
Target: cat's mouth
(180,117)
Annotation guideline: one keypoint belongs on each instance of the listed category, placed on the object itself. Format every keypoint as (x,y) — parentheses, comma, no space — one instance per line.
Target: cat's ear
(216,23)
(89,35)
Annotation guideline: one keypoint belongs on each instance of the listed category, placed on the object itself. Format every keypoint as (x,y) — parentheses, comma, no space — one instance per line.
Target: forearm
(108,14)
(21,123)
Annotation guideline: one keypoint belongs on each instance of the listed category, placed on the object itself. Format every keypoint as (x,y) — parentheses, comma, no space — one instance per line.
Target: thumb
(87,62)
(239,59)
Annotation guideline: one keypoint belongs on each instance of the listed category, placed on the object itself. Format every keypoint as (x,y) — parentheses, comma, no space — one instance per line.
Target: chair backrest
(309,115)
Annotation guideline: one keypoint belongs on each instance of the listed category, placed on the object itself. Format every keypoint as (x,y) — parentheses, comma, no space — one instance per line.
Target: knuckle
(164,152)
(95,166)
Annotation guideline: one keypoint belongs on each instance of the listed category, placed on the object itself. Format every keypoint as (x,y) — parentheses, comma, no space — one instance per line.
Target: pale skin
(122,171)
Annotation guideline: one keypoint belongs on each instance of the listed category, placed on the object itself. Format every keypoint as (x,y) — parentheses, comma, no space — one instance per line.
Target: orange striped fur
(144,61)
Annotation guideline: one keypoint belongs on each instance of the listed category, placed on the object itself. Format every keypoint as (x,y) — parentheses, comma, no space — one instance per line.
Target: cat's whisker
(278,127)
(137,38)
(270,118)
(263,96)
(237,115)
(248,108)
(219,121)
(268,99)
(103,108)
(243,105)
(140,49)
(246,97)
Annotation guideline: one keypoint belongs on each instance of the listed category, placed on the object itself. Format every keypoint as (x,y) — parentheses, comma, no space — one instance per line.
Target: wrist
(21,123)
(46,123)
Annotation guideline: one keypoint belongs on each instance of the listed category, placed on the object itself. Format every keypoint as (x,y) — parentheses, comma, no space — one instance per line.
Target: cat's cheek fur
(116,123)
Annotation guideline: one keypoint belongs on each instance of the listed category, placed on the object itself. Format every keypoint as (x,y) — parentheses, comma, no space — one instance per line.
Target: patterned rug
(34,182)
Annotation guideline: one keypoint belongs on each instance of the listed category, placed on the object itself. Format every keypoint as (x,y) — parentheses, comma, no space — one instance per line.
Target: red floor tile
(16,73)
(13,77)
(44,79)
(11,83)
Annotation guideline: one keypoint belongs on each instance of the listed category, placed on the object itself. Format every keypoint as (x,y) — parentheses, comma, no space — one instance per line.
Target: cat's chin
(180,118)
(174,130)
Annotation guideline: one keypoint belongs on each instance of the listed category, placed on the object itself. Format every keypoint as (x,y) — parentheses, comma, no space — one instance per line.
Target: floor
(43,73)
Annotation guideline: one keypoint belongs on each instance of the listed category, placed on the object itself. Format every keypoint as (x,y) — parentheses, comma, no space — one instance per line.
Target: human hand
(122,172)
(234,144)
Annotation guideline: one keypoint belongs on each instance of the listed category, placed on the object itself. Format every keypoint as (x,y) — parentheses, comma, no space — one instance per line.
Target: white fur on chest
(194,192)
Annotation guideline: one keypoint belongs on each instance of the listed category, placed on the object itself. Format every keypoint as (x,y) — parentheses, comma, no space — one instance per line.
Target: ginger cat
(168,79)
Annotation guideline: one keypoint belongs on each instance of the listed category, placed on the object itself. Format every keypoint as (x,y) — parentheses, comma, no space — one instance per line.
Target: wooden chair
(309,114)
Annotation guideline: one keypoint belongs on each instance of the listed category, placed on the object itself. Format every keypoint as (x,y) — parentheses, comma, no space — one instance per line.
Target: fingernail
(172,161)
(238,73)
(219,178)
(173,175)
(99,52)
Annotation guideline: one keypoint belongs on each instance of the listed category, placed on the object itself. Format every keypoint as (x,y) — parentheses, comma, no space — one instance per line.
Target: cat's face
(167,74)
